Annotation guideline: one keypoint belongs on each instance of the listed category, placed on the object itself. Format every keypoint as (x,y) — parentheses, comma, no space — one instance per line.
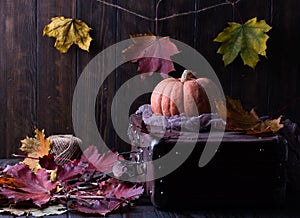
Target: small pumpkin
(187,94)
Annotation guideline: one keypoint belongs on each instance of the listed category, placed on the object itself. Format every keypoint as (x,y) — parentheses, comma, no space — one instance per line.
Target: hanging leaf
(67,32)
(35,148)
(238,119)
(152,53)
(248,40)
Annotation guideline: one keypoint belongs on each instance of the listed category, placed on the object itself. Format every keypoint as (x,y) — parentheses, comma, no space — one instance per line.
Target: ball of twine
(65,148)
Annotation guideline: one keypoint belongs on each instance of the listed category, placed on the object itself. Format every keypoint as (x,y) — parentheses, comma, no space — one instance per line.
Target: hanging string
(156,19)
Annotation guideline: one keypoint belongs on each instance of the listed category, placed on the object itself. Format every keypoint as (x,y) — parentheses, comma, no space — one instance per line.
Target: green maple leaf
(248,40)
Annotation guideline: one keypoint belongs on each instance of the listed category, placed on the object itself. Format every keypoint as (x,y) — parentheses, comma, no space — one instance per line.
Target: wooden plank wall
(37,82)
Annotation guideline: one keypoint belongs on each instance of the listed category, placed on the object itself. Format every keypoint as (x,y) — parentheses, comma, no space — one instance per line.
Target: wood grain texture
(252,85)
(56,72)
(209,24)
(180,28)
(102,20)
(18,73)
(284,96)
(37,81)
(128,24)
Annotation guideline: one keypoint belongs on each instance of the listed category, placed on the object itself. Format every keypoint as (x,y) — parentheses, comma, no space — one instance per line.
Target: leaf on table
(35,148)
(102,162)
(61,172)
(128,191)
(248,40)
(272,126)
(237,119)
(108,186)
(92,206)
(36,212)
(71,170)
(111,195)
(48,162)
(234,114)
(8,182)
(53,175)
(90,161)
(67,32)
(152,53)
(27,185)
(50,210)
(15,211)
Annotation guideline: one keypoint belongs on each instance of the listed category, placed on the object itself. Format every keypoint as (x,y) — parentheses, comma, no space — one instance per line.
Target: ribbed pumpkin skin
(172,97)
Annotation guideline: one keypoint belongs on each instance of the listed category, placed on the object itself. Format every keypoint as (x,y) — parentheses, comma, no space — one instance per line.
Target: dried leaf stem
(91,197)
(25,156)
(237,10)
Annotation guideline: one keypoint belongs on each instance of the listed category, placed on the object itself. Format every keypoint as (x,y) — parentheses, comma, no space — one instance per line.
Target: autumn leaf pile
(82,185)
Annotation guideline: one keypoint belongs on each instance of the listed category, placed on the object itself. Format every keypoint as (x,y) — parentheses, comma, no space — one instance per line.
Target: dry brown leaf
(67,32)
(237,119)
(35,148)
(268,126)
(36,212)
(234,114)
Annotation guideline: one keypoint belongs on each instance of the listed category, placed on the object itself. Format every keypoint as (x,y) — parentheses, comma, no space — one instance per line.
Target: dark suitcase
(246,170)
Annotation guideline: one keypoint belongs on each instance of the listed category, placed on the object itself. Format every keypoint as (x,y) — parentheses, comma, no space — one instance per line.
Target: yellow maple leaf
(67,32)
(35,148)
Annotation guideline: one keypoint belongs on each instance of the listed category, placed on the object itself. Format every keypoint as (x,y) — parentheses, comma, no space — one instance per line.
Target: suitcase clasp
(130,168)
(133,136)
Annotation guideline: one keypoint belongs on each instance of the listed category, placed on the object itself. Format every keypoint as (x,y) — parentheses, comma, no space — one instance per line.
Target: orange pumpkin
(174,96)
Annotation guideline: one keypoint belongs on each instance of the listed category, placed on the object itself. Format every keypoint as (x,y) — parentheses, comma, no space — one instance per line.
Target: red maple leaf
(152,53)
(128,191)
(111,195)
(28,185)
(71,170)
(102,162)
(89,206)
(48,162)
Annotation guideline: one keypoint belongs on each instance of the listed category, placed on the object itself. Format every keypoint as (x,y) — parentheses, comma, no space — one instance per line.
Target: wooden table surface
(148,211)
(144,208)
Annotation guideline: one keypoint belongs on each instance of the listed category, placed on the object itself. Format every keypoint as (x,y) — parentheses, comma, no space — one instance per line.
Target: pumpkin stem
(187,75)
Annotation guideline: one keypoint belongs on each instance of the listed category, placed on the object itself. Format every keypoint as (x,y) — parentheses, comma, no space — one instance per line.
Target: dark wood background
(37,82)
